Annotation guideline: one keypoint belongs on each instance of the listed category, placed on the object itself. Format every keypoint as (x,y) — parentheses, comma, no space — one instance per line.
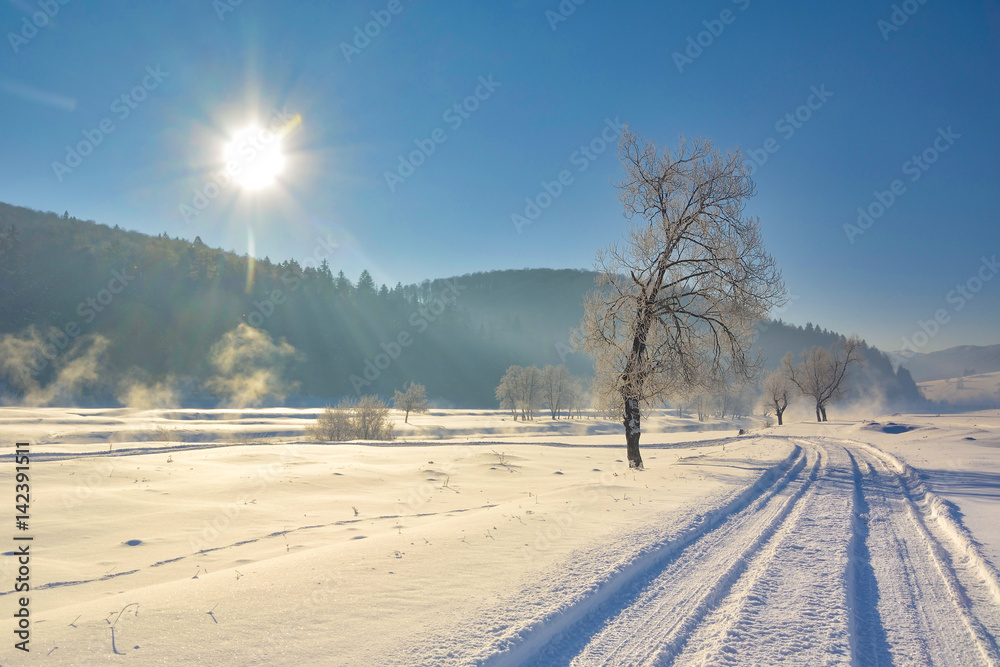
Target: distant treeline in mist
(144,310)
(876,381)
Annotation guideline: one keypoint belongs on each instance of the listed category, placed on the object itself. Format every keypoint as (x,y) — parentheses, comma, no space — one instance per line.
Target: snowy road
(841,557)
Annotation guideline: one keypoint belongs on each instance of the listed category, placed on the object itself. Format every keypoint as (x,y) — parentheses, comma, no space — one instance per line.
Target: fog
(69,369)
(250,367)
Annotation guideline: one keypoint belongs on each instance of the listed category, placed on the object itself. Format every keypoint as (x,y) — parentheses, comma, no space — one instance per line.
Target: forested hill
(149,310)
(877,380)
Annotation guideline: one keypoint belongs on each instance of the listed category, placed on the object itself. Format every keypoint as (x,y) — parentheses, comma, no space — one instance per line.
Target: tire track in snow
(854,562)
(795,601)
(743,525)
(909,600)
(869,643)
(929,598)
(651,631)
(940,516)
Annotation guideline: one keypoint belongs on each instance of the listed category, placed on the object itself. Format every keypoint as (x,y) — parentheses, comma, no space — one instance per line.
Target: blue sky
(885,96)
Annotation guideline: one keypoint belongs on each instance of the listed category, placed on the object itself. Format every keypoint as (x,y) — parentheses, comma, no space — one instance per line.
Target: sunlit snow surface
(230,537)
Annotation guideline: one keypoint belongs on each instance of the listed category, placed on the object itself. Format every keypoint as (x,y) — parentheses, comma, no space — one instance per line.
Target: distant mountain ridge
(953,362)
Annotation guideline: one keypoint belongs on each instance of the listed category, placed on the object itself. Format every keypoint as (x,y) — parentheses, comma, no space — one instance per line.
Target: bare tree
(371,419)
(728,396)
(335,424)
(822,372)
(740,399)
(506,392)
(777,393)
(702,401)
(577,398)
(520,390)
(528,384)
(556,388)
(413,398)
(678,297)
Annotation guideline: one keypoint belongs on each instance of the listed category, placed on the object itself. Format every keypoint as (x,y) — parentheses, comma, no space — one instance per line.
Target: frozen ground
(227,537)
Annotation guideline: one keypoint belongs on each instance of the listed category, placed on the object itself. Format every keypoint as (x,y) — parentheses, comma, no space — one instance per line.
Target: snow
(473,539)
(979,390)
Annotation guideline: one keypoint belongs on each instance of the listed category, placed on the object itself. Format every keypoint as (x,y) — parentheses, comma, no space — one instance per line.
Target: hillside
(94,314)
(877,381)
(969,392)
(954,362)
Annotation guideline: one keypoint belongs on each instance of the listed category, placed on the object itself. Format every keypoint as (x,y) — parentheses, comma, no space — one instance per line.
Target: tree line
(339,328)
(523,390)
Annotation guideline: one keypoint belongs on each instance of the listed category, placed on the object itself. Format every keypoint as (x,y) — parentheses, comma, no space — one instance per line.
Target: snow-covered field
(228,537)
(977,390)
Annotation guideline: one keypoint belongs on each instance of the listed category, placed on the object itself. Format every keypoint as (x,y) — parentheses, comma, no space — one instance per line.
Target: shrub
(366,419)
(371,419)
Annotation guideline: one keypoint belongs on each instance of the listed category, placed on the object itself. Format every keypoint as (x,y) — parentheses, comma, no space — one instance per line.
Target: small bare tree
(334,425)
(677,299)
(822,372)
(413,398)
(577,398)
(371,419)
(556,389)
(506,392)
(777,393)
(529,391)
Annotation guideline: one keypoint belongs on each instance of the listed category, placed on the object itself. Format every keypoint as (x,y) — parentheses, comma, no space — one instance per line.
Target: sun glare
(254,157)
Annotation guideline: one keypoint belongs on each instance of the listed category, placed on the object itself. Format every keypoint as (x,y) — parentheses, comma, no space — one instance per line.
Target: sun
(253,157)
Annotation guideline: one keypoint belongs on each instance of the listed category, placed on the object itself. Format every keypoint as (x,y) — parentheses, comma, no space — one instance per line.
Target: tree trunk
(823,410)
(818,416)
(631,419)
(779,413)
(406,419)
